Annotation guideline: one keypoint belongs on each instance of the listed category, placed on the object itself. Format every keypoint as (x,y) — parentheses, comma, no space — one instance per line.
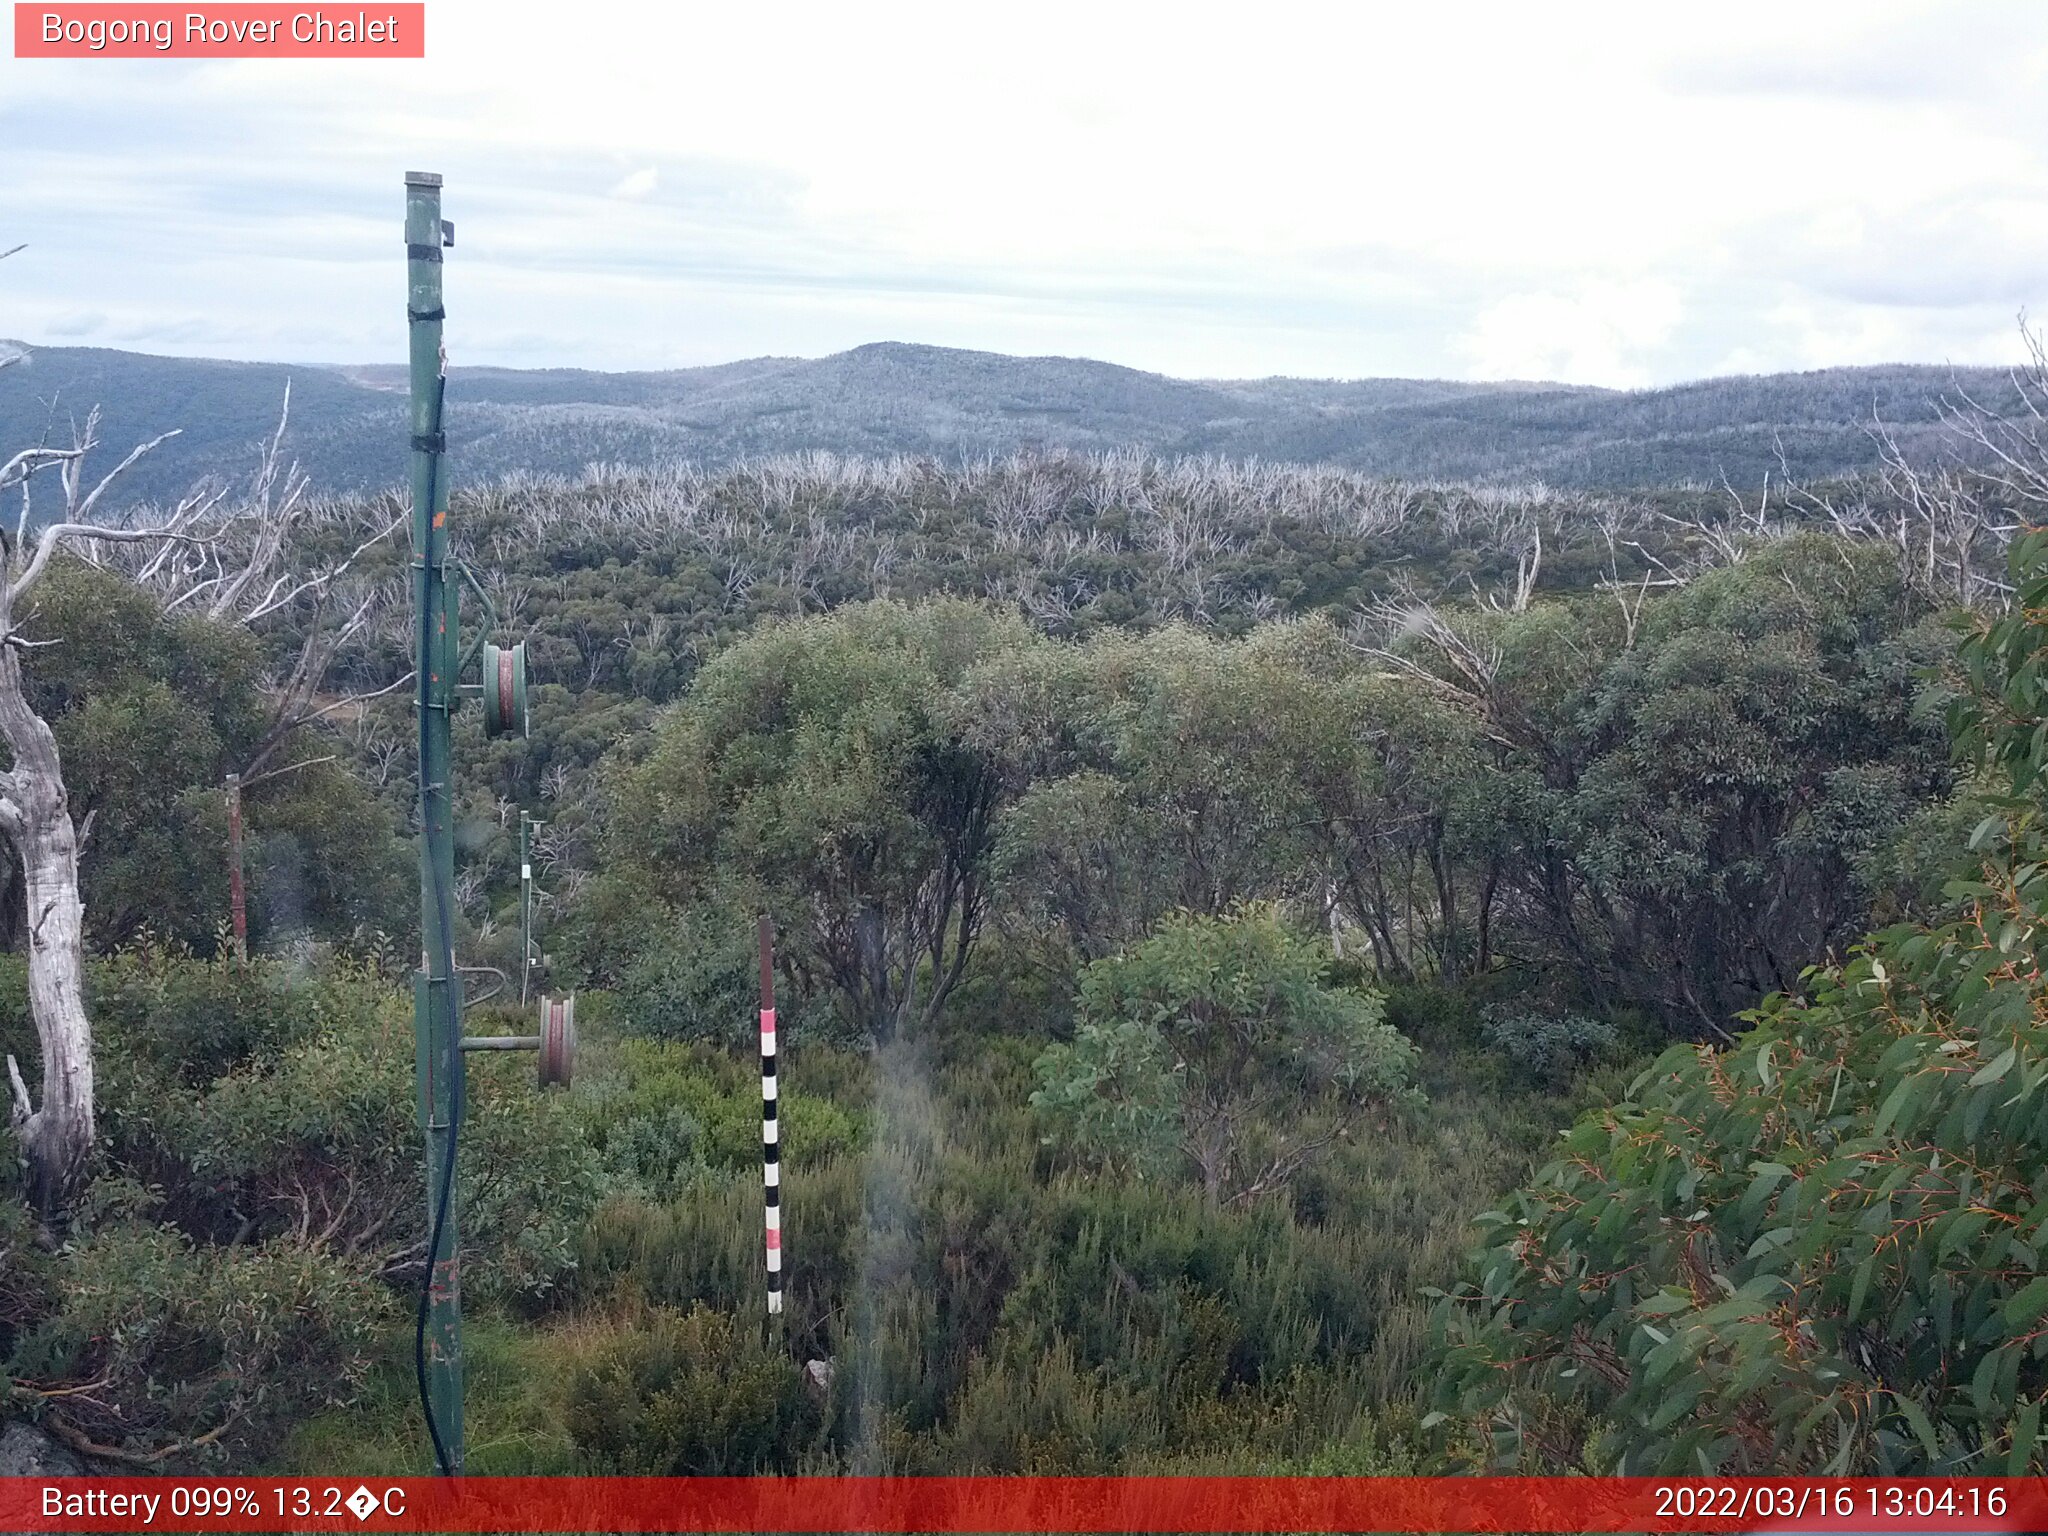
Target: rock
(26,1451)
(818,1378)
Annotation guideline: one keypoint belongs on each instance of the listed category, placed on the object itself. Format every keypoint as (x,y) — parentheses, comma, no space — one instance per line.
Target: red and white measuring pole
(771,1135)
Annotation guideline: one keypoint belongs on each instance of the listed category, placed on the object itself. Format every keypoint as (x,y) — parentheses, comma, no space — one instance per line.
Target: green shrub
(655,1111)
(696,977)
(28,1274)
(17,1024)
(202,1345)
(1052,1415)
(297,1119)
(1217,1045)
(687,1395)
(195,1019)
(1550,1047)
(263,1193)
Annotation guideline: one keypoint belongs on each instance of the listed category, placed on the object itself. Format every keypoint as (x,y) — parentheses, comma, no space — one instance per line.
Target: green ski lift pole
(437,988)
(438,1043)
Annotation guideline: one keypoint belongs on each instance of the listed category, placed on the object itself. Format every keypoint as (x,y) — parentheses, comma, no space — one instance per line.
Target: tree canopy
(1819,1249)
(1219,1043)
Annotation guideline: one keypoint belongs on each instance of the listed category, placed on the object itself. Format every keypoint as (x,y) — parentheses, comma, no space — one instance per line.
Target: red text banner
(1023,1504)
(235,31)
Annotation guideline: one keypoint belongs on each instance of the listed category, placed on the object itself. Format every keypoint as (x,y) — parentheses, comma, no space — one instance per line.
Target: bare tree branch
(58,533)
(22,1106)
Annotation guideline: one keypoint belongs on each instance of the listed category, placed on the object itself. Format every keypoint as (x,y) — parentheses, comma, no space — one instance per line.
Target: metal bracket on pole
(556,1041)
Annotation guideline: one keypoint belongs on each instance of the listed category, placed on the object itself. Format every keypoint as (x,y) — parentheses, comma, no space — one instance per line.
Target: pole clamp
(422,252)
(422,316)
(430,442)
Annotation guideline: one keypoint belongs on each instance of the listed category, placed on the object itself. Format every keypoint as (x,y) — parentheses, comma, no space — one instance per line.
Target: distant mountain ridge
(891,397)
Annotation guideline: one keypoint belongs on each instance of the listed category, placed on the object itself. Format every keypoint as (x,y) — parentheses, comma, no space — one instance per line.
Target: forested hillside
(1205,891)
(892,399)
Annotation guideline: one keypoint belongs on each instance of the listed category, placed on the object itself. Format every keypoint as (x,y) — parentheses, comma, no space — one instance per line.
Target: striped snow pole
(771,1136)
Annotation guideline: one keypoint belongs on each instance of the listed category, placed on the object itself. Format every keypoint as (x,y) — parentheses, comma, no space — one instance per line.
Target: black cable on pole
(444,910)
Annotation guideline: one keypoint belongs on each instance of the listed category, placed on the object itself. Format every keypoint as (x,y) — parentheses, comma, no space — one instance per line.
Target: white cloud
(639,184)
(1599,192)
(1606,336)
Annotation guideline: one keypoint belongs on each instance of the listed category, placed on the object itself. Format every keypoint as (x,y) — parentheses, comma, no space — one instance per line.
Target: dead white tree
(2010,445)
(1946,508)
(55,1133)
(250,570)
(1528,566)
(1413,637)
(1630,595)
(1956,517)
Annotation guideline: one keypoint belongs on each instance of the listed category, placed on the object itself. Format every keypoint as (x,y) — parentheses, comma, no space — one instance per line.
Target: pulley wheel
(557,1040)
(504,686)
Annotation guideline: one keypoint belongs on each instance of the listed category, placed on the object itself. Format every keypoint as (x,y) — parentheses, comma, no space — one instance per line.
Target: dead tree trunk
(57,1135)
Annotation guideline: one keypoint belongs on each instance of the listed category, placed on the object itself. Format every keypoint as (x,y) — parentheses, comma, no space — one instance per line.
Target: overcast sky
(1620,195)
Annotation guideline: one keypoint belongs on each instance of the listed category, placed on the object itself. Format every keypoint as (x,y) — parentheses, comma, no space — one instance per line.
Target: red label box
(972,1506)
(375,30)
